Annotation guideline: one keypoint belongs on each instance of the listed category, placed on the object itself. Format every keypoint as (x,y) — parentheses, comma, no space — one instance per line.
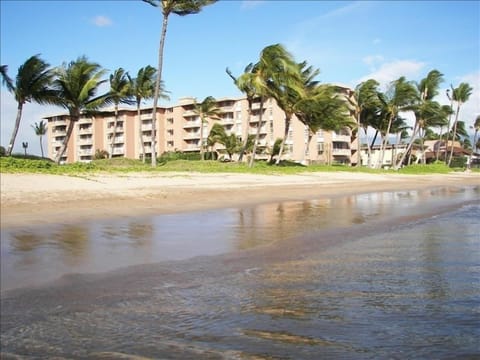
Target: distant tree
(476,127)
(205,110)
(32,83)
(2,151)
(178,7)
(143,88)
(460,95)
(120,93)
(40,130)
(101,154)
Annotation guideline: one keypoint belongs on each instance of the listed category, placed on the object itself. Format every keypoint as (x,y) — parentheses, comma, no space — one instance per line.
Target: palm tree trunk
(437,153)
(202,153)
(15,129)
(384,143)
(448,131)
(287,128)
(71,125)
(358,142)
(41,145)
(157,89)
(140,135)
(422,143)
(309,140)
(245,139)
(112,143)
(369,148)
(454,135)
(257,135)
(409,147)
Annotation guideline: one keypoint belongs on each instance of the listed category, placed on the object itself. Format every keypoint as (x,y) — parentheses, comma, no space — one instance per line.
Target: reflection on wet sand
(36,255)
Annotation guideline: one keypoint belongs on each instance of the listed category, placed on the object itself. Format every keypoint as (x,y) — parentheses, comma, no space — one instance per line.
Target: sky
(349,41)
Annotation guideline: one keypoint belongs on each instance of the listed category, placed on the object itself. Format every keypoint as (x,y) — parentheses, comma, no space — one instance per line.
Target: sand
(29,199)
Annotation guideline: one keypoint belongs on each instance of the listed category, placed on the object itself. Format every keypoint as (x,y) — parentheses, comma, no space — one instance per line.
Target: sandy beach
(41,199)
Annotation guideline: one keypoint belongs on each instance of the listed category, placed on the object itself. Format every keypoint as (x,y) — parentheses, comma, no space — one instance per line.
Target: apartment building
(179,129)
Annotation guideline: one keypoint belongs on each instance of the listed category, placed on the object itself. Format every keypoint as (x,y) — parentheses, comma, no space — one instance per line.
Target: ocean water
(391,275)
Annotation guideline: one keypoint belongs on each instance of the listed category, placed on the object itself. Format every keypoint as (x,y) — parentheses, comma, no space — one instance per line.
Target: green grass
(121,165)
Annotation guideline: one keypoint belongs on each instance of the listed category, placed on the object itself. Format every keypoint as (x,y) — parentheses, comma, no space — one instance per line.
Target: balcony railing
(341,152)
(191,135)
(189,113)
(191,124)
(342,138)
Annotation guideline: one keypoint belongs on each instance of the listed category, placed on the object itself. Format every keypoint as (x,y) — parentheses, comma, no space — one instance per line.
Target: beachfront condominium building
(179,129)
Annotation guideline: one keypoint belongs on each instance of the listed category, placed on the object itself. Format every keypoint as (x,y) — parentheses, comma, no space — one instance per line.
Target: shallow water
(384,275)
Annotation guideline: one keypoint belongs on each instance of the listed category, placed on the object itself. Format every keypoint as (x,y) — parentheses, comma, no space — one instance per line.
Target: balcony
(85,141)
(189,113)
(119,151)
(253,131)
(60,122)
(146,116)
(85,152)
(192,147)
(86,130)
(191,124)
(191,135)
(228,121)
(340,138)
(146,127)
(341,152)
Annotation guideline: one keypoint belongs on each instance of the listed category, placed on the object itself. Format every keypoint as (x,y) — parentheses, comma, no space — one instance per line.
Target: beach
(236,266)
(42,199)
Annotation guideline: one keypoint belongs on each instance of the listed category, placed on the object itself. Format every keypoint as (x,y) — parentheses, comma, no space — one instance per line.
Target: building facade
(179,129)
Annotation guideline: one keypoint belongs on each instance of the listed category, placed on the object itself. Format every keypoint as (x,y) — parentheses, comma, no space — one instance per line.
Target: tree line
(276,75)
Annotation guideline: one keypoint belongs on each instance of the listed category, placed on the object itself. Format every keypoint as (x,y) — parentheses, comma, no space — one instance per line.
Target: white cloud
(251,4)
(340,11)
(390,71)
(102,21)
(373,60)
(376,41)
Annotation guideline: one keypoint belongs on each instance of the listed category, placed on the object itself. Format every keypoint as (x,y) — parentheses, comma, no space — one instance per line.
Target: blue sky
(349,41)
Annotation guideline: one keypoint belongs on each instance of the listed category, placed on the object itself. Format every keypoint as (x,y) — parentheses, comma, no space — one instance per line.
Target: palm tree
(460,95)
(425,110)
(205,110)
(6,80)
(400,96)
(143,88)
(120,93)
(446,112)
(245,85)
(364,104)
(76,85)
(178,7)
(476,127)
(40,130)
(31,84)
(326,109)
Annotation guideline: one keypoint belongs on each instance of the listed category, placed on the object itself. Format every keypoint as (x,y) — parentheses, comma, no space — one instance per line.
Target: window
(170,132)
(170,120)
(320,148)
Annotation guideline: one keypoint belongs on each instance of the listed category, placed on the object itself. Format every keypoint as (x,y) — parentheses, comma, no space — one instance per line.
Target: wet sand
(45,199)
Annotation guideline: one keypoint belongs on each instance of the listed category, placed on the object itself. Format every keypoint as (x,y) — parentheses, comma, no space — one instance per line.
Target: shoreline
(34,199)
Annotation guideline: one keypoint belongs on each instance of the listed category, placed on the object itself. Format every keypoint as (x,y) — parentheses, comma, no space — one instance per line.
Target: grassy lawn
(121,165)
